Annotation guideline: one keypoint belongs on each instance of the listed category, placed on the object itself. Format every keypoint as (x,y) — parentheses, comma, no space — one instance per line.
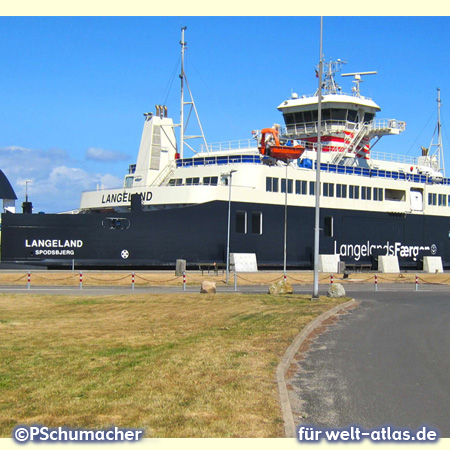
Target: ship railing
(334,92)
(218,160)
(381,173)
(387,124)
(335,126)
(392,157)
(242,144)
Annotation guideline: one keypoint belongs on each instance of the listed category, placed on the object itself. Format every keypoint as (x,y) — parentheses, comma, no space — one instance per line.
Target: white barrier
(329,263)
(388,264)
(432,264)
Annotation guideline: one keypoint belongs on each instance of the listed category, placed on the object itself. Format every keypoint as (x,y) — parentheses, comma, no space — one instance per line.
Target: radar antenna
(357,80)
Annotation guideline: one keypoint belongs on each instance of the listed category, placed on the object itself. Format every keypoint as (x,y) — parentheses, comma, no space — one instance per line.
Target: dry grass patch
(178,366)
(167,278)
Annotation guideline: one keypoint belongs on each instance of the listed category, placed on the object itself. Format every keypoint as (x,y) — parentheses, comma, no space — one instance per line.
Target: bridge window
(289,119)
(351,116)
(368,117)
(312,190)
(176,182)
(338,114)
(442,200)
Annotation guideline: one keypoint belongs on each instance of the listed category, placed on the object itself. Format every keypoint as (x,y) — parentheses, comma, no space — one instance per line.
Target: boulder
(281,287)
(208,287)
(336,290)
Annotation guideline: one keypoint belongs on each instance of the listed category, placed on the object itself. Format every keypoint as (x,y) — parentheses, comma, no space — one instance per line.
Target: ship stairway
(351,142)
(163,178)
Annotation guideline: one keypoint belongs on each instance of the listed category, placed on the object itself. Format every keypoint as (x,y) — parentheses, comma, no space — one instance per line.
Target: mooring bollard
(376,282)
(184,281)
(417,283)
(81,280)
(132,281)
(29,281)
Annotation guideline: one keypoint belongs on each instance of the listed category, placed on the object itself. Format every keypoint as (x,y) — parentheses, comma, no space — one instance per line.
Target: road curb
(288,417)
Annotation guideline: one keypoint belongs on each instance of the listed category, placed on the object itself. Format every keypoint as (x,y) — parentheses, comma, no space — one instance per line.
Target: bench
(213,267)
(357,267)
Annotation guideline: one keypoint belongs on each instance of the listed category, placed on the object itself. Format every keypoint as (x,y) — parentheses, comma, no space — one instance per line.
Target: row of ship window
(194,181)
(438,199)
(303,187)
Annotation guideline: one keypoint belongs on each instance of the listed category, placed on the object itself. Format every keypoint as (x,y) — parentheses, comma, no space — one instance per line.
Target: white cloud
(56,180)
(100,154)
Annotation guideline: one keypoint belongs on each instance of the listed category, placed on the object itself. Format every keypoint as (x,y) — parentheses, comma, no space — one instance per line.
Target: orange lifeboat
(270,146)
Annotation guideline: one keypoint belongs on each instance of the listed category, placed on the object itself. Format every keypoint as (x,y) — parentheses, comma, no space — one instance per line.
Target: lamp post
(229,177)
(285,222)
(315,295)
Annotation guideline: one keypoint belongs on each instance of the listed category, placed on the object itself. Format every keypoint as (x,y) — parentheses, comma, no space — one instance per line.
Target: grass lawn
(182,365)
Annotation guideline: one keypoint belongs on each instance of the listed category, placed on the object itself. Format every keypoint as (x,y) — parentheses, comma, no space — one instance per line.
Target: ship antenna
(439,153)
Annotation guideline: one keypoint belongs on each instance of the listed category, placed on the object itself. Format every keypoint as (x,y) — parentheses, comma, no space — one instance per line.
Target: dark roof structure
(6,190)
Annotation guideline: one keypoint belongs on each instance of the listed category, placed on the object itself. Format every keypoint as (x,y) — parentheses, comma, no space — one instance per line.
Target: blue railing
(219,160)
(331,168)
(381,173)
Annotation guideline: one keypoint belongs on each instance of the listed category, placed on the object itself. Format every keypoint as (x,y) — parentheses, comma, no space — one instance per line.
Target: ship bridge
(348,123)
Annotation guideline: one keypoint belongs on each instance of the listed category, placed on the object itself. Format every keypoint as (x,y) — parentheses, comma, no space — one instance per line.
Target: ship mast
(183,47)
(183,124)
(439,153)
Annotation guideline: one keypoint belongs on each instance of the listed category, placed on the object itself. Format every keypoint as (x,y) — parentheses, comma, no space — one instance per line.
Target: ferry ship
(241,196)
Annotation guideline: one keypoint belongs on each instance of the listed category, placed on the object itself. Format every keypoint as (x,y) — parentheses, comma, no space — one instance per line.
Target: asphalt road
(354,290)
(386,362)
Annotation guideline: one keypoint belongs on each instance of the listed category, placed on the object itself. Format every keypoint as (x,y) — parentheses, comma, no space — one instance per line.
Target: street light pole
(319,151)
(229,175)
(285,221)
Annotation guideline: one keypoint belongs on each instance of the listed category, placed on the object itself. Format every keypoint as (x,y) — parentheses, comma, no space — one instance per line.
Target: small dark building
(7,194)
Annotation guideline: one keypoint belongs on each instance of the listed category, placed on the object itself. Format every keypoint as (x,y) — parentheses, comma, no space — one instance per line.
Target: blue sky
(73,89)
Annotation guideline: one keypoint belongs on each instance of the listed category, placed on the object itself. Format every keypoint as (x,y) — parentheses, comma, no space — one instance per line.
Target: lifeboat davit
(270,146)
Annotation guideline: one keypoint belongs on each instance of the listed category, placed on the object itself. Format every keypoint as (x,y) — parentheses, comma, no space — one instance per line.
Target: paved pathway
(384,363)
